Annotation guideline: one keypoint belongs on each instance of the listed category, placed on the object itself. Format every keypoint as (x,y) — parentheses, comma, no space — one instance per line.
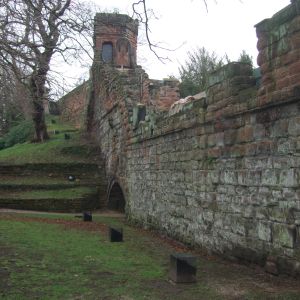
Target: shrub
(2,143)
(18,134)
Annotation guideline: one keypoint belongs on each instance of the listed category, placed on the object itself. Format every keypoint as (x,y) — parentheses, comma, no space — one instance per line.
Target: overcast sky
(226,28)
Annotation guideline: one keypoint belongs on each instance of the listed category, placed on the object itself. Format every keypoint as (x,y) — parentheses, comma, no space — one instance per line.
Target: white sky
(227,28)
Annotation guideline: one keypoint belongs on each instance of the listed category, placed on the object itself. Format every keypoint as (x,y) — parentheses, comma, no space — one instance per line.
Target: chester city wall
(221,172)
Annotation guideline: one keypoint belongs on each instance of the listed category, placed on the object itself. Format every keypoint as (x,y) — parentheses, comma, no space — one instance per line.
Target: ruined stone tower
(115,40)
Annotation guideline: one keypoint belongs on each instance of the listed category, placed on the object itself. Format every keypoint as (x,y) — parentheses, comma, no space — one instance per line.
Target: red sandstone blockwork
(73,105)
(279,54)
(120,31)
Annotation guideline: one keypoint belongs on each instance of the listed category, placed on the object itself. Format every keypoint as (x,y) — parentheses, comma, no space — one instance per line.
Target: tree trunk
(40,127)
(37,89)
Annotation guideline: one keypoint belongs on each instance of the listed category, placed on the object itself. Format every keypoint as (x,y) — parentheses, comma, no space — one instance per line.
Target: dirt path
(104,213)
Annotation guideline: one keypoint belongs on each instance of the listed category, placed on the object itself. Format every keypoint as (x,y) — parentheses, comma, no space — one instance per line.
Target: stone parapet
(279,54)
(117,19)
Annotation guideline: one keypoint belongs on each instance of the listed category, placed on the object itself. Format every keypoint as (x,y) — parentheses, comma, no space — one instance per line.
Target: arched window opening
(116,200)
(107,52)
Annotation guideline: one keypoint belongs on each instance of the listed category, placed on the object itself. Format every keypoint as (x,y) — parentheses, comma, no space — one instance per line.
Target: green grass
(19,133)
(50,151)
(49,261)
(54,150)
(36,181)
(58,125)
(44,261)
(69,193)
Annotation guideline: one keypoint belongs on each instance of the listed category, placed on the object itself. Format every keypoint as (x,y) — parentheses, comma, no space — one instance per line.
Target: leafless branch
(31,32)
(143,18)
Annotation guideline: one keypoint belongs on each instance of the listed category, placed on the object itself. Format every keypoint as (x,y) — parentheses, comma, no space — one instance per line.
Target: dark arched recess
(116,200)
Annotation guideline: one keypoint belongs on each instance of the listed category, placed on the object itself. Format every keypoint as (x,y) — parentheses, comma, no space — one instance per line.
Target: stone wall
(223,173)
(163,93)
(73,106)
(226,178)
(279,54)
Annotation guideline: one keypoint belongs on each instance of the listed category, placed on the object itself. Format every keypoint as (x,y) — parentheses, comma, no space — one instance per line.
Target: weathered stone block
(271,267)
(259,131)
(279,214)
(269,177)
(294,126)
(286,146)
(288,178)
(245,134)
(229,177)
(249,178)
(284,235)
(264,231)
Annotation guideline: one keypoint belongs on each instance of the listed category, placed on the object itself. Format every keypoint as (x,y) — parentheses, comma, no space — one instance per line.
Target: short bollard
(183,268)
(115,234)
(87,216)
(67,136)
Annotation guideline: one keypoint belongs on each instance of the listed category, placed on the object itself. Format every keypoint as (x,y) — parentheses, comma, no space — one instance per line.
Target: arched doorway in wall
(116,200)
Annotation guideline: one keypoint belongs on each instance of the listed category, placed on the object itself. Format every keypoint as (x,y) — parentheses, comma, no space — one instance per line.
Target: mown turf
(40,260)
(55,150)
(48,152)
(45,261)
(67,193)
(35,180)
(54,123)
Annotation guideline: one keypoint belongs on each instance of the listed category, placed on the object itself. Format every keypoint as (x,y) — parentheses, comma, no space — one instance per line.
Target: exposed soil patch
(168,287)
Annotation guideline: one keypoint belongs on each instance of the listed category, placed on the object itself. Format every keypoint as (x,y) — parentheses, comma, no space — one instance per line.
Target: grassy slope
(74,192)
(47,152)
(34,180)
(55,150)
(38,182)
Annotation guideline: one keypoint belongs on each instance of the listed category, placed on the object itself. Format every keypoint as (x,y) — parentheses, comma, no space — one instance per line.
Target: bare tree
(144,15)
(14,100)
(32,32)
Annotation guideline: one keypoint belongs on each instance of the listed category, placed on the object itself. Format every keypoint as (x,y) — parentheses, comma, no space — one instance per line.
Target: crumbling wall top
(281,17)
(115,19)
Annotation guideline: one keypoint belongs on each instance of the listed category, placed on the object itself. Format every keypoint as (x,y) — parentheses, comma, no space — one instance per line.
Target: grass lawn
(55,256)
(50,151)
(54,150)
(74,192)
(54,123)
